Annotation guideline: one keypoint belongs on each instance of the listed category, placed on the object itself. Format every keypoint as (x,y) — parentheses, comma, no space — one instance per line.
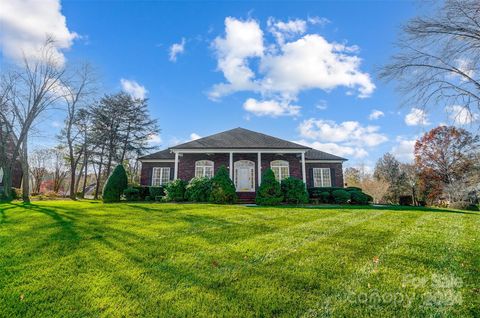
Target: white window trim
(315,182)
(197,165)
(163,171)
(280,166)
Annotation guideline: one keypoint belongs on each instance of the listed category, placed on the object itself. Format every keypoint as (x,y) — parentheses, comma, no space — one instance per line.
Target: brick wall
(336,172)
(147,168)
(186,166)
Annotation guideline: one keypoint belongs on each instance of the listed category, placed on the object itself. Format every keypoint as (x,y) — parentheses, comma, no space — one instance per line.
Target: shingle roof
(314,154)
(239,138)
(161,155)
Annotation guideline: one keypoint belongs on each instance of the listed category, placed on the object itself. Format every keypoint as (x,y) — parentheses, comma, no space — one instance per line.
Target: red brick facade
(186,166)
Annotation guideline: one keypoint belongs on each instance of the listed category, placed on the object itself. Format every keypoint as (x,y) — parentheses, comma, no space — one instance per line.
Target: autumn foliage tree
(445,157)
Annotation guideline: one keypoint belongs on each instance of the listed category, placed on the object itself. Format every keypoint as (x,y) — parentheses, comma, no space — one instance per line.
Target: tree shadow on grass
(370,207)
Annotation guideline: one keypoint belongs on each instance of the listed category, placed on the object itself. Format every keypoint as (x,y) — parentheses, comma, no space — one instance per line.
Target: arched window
(280,169)
(204,168)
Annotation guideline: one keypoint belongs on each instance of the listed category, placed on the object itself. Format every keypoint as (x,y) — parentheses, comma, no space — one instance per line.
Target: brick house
(246,154)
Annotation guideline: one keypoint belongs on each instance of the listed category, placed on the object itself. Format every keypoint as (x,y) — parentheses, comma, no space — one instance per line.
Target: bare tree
(39,160)
(78,88)
(35,87)
(439,59)
(59,167)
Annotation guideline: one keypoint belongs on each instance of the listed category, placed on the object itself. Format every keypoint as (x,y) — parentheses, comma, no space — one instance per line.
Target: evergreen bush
(175,191)
(155,192)
(223,190)
(325,197)
(341,196)
(198,190)
(269,192)
(294,191)
(116,183)
(132,194)
(358,197)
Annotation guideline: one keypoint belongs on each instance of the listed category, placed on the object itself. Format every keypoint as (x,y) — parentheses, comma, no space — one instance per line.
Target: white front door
(244,176)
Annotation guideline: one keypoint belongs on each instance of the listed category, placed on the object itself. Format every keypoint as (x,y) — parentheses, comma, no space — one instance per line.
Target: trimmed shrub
(142,192)
(350,189)
(132,194)
(175,191)
(198,190)
(116,183)
(156,192)
(314,193)
(294,191)
(341,196)
(463,205)
(357,197)
(325,197)
(269,192)
(222,188)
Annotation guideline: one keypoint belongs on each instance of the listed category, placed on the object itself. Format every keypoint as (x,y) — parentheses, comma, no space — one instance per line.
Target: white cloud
(194,136)
(286,30)
(461,115)
(25,26)
(348,138)
(313,63)
(322,105)
(416,117)
(403,150)
(243,40)
(176,49)
(270,108)
(351,132)
(288,67)
(467,67)
(56,124)
(318,21)
(376,114)
(336,149)
(133,88)
(154,139)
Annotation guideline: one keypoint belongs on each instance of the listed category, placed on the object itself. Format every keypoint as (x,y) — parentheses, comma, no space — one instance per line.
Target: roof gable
(240,138)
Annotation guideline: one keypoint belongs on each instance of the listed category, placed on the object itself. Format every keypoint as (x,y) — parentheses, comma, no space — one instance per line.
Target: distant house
(246,154)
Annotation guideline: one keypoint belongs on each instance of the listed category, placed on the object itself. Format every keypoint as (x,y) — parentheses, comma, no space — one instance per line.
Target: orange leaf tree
(445,156)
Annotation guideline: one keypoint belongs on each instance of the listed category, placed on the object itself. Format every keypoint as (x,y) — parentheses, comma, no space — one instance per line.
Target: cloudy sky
(302,71)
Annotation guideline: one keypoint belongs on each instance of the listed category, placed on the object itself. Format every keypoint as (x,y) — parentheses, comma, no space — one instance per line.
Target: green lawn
(88,259)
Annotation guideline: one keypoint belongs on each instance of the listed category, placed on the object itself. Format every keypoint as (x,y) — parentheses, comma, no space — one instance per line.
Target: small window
(160,176)
(204,168)
(321,177)
(280,169)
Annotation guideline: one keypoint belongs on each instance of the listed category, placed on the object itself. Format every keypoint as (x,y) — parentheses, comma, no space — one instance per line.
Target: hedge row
(352,195)
(220,189)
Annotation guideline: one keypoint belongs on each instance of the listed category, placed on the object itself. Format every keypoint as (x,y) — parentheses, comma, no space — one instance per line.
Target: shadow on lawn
(372,207)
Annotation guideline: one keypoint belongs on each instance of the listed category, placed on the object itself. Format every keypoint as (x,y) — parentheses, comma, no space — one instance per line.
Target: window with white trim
(204,168)
(281,169)
(160,176)
(322,177)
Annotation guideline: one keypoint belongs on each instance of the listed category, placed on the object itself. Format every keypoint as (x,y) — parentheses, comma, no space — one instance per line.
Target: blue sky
(302,71)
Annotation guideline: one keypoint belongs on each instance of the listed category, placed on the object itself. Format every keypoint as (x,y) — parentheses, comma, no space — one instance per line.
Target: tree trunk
(85,177)
(26,172)
(7,182)
(99,176)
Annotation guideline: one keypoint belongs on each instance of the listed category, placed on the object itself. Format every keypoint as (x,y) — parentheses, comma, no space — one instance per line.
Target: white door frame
(245,164)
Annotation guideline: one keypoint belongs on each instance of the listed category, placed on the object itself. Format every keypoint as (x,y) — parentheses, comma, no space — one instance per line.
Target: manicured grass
(88,259)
